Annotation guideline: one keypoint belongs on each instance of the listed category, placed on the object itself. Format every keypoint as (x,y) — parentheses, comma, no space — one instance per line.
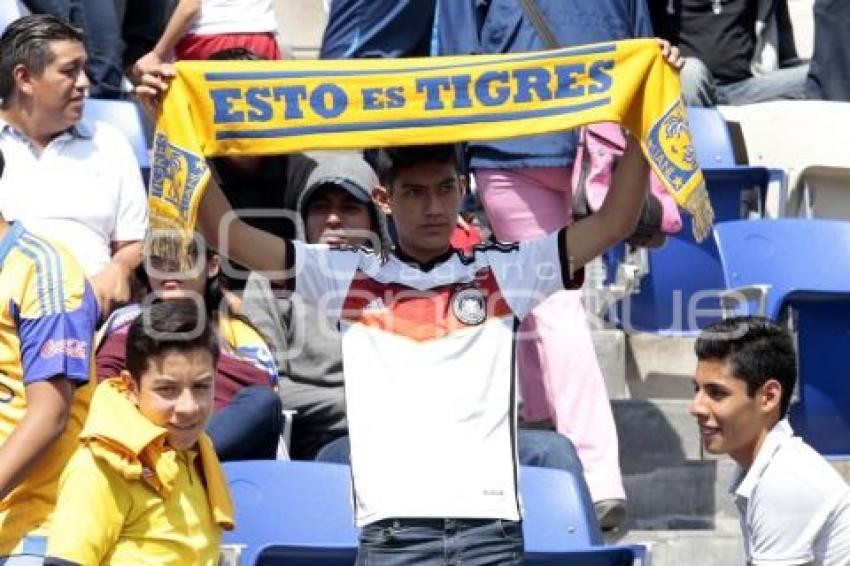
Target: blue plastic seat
(294,513)
(560,526)
(125,116)
(300,513)
(803,266)
(679,293)
(710,137)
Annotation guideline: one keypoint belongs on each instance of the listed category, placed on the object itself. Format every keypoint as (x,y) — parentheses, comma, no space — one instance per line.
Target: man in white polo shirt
(795,508)
(72,181)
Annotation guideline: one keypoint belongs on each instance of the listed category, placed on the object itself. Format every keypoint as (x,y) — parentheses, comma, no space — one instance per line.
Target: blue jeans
(699,87)
(416,542)
(249,427)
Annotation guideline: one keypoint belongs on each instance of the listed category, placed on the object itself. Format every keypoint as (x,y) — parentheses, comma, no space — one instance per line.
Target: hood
(350,172)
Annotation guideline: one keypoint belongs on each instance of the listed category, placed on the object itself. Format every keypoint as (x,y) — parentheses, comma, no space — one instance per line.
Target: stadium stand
(677,294)
(796,270)
(300,513)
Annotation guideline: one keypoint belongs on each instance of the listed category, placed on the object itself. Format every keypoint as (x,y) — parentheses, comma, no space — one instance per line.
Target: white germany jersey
(428,361)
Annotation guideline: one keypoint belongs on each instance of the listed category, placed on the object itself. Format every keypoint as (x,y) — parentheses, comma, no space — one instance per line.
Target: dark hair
(27,42)
(168,326)
(236,54)
(757,349)
(391,160)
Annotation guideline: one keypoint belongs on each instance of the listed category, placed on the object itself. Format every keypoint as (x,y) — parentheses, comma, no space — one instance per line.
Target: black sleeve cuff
(576,280)
(286,284)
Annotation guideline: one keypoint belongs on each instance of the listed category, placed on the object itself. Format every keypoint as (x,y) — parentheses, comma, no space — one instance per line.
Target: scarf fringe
(699,206)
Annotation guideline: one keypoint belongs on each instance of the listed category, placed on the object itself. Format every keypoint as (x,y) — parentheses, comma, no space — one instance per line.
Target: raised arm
(184,15)
(255,249)
(617,217)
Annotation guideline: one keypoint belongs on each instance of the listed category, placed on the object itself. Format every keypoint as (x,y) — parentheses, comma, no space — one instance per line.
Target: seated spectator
(145,485)
(64,177)
(199,28)
(736,51)
(247,421)
(795,508)
(47,318)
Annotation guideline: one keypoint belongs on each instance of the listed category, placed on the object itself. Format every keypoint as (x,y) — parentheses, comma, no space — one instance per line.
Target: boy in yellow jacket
(145,486)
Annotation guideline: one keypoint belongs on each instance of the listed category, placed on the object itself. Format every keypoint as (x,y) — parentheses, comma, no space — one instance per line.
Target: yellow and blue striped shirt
(47,317)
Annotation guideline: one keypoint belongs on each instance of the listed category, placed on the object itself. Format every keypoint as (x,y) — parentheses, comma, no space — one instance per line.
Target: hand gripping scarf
(218,108)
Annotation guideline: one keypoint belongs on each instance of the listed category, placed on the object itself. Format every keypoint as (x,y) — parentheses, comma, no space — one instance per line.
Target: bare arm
(48,405)
(255,249)
(181,20)
(617,217)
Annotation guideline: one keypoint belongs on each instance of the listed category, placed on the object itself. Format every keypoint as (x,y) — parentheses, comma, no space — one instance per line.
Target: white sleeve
(131,219)
(785,520)
(528,272)
(323,275)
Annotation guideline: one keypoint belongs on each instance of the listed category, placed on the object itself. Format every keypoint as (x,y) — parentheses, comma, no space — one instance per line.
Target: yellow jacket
(127,498)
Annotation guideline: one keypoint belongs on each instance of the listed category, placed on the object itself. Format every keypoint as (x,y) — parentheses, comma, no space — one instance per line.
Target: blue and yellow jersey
(47,317)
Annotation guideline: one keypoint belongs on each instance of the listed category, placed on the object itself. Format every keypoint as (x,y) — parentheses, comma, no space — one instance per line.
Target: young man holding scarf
(428,335)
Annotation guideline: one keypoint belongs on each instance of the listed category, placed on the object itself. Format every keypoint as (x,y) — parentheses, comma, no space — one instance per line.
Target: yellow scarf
(120,436)
(263,107)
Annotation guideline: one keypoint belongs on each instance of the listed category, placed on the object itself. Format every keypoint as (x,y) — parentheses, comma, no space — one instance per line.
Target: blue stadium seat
(801,266)
(559,514)
(678,296)
(710,137)
(125,116)
(294,513)
(560,526)
(300,513)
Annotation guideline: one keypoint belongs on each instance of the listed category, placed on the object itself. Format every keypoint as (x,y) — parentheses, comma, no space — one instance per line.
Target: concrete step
(718,547)
(654,433)
(659,367)
(643,365)
(301,24)
(692,495)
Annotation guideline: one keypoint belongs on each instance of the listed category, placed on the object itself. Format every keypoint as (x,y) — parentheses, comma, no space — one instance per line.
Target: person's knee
(548,449)
(264,404)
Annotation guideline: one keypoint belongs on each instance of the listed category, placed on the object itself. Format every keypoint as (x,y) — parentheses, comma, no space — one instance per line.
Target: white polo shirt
(84,190)
(795,508)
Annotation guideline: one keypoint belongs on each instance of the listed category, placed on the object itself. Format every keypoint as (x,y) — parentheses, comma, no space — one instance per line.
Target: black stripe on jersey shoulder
(504,247)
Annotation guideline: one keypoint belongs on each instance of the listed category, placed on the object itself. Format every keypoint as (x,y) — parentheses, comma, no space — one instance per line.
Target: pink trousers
(560,378)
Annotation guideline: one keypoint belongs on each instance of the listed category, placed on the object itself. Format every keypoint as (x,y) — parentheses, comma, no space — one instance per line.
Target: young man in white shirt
(795,508)
(427,338)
